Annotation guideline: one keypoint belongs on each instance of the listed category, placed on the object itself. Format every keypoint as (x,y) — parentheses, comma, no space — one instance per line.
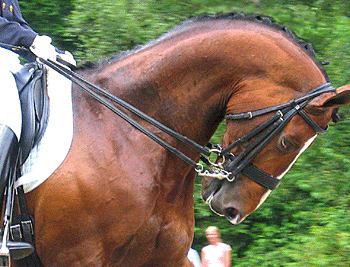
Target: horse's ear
(340,99)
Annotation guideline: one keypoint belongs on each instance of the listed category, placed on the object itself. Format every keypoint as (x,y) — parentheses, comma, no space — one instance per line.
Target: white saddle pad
(50,152)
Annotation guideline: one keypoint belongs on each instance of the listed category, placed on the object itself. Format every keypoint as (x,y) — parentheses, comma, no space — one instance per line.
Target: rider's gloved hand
(43,48)
(68,57)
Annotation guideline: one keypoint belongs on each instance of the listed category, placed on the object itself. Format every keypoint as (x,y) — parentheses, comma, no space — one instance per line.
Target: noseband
(264,133)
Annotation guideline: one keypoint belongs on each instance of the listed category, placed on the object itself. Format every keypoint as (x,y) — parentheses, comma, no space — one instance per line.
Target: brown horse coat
(119,199)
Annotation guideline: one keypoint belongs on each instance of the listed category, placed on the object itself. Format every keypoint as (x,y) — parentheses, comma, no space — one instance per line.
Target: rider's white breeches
(10,108)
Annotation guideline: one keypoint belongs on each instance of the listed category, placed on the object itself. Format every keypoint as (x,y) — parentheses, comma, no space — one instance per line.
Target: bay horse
(120,199)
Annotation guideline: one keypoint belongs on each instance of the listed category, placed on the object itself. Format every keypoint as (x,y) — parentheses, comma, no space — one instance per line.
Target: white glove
(42,48)
(68,57)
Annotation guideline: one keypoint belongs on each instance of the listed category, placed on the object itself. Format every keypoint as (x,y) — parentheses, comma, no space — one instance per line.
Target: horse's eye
(285,144)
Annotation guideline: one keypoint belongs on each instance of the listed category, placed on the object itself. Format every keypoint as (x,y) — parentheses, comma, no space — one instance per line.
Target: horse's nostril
(231,213)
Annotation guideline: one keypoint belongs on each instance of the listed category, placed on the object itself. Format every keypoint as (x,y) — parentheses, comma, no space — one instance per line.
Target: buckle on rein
(214,170)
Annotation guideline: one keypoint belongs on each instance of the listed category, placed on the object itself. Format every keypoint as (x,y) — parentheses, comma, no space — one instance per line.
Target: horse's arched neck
(187,80)
(176,89)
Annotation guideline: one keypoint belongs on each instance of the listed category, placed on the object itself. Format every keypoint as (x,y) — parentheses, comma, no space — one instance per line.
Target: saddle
(31,84)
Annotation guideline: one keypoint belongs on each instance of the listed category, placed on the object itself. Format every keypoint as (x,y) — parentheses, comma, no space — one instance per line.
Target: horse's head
(251,185)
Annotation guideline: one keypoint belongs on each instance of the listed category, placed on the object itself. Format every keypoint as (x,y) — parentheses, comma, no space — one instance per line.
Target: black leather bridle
(264,133)
(233,165)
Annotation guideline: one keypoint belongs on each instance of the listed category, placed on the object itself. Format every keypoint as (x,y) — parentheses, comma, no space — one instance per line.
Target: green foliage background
(306,221)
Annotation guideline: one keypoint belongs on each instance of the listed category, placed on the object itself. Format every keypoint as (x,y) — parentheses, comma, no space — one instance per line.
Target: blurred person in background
(217,253)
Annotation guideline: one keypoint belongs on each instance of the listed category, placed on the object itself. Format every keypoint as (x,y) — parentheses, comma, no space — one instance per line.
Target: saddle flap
(31,84)
(25,74)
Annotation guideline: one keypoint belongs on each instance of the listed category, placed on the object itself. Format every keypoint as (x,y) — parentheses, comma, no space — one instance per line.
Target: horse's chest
(158,243)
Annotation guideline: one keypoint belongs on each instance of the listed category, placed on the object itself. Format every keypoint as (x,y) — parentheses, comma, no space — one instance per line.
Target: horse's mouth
(231,213)
(208,192)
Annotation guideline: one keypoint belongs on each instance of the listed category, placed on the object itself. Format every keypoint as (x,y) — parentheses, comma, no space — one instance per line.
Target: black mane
(264,20)
(268,21)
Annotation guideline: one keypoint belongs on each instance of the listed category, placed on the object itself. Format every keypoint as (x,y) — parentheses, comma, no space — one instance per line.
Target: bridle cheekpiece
(263,134)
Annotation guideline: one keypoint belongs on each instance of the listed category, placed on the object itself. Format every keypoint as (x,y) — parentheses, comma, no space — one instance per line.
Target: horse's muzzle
(210,188)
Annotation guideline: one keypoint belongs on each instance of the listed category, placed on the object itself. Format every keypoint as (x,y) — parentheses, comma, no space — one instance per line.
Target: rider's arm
(14,30)
(11,32)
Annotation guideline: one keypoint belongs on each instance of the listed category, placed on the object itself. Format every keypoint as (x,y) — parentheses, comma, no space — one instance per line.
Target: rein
(94,91)
(91,89)
(231,165)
